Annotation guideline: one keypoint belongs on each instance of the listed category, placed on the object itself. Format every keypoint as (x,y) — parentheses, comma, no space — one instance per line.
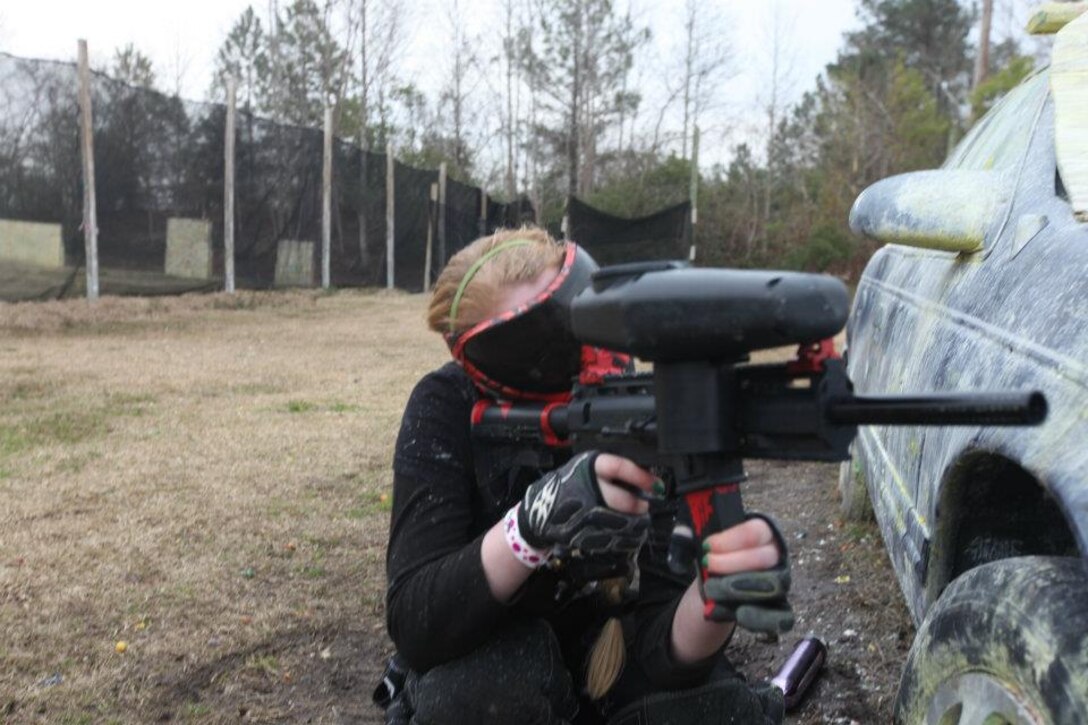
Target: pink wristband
(527,555)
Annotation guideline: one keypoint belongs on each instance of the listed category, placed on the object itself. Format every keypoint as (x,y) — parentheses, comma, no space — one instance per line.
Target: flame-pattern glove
(756,600)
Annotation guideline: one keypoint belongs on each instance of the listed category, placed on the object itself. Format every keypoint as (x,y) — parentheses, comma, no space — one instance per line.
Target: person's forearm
(504,573)
(694,638)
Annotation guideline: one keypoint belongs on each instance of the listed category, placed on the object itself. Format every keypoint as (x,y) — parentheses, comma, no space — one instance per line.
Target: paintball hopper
(668,312)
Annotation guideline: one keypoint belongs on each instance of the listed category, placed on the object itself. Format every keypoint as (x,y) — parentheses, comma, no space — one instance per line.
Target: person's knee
(517,677)
(729,701)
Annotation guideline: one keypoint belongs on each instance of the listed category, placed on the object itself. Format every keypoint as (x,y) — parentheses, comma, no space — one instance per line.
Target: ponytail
(609,653)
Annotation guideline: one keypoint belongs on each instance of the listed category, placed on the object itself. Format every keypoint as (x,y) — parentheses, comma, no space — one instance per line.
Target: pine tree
(578,65)
(313,64)
(132,67)
(243,55)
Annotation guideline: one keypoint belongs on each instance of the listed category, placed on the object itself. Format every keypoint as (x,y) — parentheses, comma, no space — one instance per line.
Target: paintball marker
(704,408)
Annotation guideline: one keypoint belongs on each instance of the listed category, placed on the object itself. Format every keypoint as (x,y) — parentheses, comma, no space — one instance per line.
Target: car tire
(1007,642)
(854,498)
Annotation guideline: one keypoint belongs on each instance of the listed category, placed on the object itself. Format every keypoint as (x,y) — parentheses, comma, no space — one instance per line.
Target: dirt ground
(196,496)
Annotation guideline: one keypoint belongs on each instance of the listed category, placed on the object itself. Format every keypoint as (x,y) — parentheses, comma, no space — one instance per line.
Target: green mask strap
(476,268)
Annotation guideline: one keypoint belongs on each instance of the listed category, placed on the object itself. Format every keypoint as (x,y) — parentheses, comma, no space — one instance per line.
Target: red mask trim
(489,385)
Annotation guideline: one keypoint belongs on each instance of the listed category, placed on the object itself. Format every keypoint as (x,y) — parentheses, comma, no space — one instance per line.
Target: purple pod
(800,670)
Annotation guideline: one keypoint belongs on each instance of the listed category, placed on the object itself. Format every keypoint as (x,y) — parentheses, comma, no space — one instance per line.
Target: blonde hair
(511,266)
(609,653)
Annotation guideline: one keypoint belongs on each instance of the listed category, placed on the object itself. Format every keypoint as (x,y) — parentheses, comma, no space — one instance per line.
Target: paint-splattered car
(983,286)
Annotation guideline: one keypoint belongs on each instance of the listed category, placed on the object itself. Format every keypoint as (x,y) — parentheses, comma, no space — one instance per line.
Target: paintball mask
(528,353)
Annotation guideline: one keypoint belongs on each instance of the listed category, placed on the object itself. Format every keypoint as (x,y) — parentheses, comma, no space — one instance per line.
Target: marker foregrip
(712,510)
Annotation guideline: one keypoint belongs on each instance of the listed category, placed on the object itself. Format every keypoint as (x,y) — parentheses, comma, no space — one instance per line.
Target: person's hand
(590,506)
(748,576)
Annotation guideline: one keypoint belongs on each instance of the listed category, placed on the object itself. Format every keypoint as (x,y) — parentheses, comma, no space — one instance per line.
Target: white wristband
(527,555)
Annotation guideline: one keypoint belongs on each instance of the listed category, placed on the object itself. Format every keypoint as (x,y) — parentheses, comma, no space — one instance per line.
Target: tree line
(560,106)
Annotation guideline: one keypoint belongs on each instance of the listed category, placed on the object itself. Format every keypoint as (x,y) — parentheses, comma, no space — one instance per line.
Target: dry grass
(203,478)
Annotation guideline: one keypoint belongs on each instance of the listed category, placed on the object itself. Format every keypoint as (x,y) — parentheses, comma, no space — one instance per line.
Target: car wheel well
(991,508)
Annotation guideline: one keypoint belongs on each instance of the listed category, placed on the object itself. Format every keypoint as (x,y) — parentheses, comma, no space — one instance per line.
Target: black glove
(756,600)
(565,513)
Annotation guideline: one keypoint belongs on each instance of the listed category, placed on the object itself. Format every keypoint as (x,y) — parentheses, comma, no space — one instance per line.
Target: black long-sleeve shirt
(447,492)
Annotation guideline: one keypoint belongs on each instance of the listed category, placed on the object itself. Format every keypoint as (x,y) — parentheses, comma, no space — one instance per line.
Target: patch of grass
(857,532)
(24,390)
(235,302)
(278,507)
(132,398)
(74,463)
(196,709)
(254,389)
(70,426)
(312,571)
(12,440)
(306,406)
(371,504)
(65,427)
(181,594)
(265,664)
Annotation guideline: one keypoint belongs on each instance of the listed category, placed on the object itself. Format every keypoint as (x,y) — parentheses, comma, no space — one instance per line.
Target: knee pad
(723,702)
(516,677)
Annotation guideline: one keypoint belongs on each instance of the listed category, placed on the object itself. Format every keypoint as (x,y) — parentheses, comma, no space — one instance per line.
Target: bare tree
(382,40)
(780,82)
(706,62)
(462,79)
(512,41)
(180,62)
(585,50)
(982,59)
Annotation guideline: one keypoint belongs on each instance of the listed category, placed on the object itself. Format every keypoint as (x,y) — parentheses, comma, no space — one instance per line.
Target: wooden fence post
(90,215)
(442,213)
(326,200)
(694,190)
(482,227)
(228,188)
(432,216)
(390,208)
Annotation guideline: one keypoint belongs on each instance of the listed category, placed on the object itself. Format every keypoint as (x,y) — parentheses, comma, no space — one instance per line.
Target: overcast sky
(186,35)
(181,38)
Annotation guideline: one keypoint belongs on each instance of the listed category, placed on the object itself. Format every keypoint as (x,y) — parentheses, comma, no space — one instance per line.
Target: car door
(910,330)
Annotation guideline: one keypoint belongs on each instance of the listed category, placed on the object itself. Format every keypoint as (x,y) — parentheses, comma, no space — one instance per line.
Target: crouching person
(493,619)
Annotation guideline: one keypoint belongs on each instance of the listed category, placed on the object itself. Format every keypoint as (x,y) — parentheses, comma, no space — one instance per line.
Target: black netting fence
(616,240)
(159,182)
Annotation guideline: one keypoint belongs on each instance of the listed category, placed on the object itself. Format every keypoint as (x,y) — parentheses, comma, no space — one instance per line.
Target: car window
(1001,137)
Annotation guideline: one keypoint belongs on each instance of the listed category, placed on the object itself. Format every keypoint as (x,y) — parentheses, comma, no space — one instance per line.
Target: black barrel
(955,409)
